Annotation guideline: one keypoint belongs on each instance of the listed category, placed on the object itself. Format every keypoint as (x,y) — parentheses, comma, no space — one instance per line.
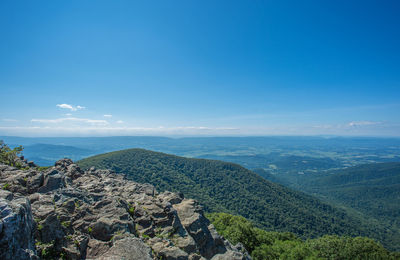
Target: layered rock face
(66,213)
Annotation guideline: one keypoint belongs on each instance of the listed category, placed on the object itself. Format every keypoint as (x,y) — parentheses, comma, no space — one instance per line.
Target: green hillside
(227,187)
(373,189)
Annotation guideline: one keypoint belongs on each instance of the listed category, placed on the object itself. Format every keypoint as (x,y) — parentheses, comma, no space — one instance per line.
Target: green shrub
(9,156)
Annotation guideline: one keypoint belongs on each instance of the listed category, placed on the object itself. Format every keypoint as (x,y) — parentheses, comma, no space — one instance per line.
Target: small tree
(9,156)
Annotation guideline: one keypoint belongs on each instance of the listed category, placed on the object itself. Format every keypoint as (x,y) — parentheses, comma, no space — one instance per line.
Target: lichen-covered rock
(16,228)
(52,181)
(97,214)
(129,248)
(199,228)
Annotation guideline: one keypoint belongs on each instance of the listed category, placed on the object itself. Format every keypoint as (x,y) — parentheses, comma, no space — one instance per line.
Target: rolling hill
(47,154)
(228,187)
(373,189)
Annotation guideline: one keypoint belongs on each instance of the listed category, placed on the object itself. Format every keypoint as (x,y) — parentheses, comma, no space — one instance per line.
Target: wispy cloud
(70,107)
(9,120)
(107,115)
(90,127)
(363,123)
(71,119)
(120,122)
(351,125)
(107,130)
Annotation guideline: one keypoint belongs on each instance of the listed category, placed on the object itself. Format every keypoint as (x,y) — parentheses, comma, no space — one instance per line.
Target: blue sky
(89,68)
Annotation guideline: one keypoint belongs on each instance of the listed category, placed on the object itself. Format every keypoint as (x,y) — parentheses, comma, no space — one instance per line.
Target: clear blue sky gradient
(200,67)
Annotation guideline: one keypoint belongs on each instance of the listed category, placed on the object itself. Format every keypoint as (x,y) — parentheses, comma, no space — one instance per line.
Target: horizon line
(212,136)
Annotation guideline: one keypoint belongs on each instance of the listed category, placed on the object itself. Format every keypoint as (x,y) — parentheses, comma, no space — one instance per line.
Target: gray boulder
(16,230)
(52,182)
(129,248)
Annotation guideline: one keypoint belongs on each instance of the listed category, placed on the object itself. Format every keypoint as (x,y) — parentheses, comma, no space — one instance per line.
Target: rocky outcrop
(64,212)
(16,227)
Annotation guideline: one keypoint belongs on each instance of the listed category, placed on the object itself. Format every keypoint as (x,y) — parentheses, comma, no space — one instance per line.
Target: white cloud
(70,119)
(107,130)
(75,126)
(349,125)
(107,115)
(89,127)
(9,120)
(362,123)
(70,107)
(66,106)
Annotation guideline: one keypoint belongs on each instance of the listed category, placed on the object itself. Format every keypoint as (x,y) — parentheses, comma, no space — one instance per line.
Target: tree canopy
(263,245)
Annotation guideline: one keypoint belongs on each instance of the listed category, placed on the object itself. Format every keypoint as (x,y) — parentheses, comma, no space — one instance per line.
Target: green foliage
(118,233)
(9,156)
(63,255)
(66,224)
(131,210)
(287,249)
(236,229)
(90,229)
(335,247)
(43,168)
(6,186)
(48,251)
(40,227)
(77,204)
(372,190)
(227,187)
(276,245)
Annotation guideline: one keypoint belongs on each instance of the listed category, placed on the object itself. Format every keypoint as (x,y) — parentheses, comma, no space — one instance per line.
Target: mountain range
(228,187)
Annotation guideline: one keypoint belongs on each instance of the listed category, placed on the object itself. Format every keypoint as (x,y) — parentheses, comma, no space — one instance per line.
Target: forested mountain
(228,187)
(373,189)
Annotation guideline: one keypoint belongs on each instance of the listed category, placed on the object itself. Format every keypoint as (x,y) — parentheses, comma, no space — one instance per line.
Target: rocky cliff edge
(66,213)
